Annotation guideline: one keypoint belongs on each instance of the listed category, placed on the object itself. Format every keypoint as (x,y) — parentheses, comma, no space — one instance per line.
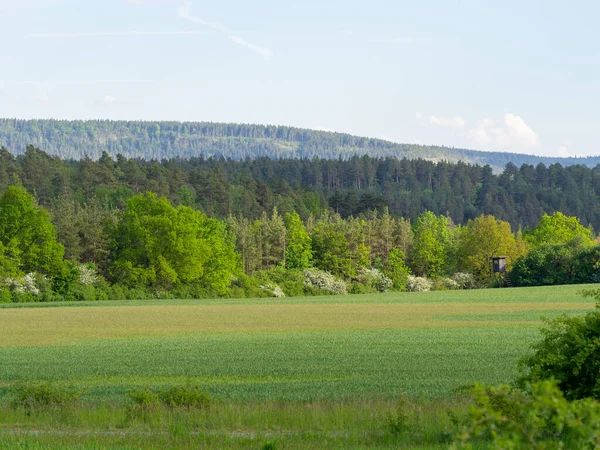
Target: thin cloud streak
(185,13)
(96,34)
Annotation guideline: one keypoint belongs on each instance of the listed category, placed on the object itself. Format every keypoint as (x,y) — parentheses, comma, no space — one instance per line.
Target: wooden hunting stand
(499,272)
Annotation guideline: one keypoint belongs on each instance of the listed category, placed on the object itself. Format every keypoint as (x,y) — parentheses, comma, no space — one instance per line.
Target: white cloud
(563,151)
(442,121)
(185,13)
(519,131)
(512,133)
(95,34)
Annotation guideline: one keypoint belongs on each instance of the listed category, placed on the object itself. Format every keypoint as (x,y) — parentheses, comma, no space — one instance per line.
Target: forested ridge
(164,140)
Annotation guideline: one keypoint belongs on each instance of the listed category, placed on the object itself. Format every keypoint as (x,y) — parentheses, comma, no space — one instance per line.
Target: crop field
(353,350)
(423,344)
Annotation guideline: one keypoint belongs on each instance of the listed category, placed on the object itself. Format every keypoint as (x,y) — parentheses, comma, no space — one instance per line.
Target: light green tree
(432,237)
(483,238)
(558,229)
(397,270)
(155,244)
(299,247)
(28,240)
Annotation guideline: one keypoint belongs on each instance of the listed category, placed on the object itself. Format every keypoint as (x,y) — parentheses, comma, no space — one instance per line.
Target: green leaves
(27,237)
(299,244)
(155,244)
(558,229)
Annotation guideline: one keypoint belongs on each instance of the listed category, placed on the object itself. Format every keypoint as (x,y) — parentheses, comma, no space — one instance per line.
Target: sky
(520,76)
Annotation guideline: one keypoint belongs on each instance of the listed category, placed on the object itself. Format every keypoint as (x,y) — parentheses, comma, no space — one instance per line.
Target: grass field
(356,351)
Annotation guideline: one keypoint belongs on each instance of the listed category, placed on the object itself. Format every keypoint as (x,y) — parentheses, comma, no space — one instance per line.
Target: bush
(418,284)
(543,419)
(22,285)
(187,396)
(445,284)
(324,281)
(569,352)
(553,264)
(464,280)
(273,290)
(5,296)
(33,395)
(375,279)
(143,397)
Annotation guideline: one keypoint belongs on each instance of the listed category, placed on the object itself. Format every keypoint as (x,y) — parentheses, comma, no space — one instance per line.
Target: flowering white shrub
(274,290)
(376,278)
(324,281)
(418,284)
(87,274)
(449,283)
(25,285)
(464,280)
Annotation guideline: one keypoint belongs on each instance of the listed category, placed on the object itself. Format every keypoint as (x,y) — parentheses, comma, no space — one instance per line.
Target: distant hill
(161,140)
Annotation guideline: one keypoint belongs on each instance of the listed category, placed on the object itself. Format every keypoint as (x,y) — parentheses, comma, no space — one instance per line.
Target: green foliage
(503,417)
(35,395)
(27,237)
(155,244)
(177,396)
(187,396)
(397,270)
(558,229)
(432,244)
(299,249)
(568,352)
(483,238)
(332,250)
(555,264)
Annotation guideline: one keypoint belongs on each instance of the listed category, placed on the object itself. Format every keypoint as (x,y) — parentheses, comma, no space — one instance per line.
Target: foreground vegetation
(364,371)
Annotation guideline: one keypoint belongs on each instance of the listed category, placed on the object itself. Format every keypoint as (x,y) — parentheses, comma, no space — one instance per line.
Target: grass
(277,369)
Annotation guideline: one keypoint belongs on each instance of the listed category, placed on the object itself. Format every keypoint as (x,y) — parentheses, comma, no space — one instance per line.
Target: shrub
(464,280)
(273,290)
(418,284)
(23,285)
(87,274)
(143,397)
(397,270)
(33,394)
(324,281)
(569,352)
(188,396)
(374,278)
(543,419)
(445,284)
(398,420)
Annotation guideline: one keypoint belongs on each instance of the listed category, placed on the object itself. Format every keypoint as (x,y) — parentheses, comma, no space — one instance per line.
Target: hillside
(161,140)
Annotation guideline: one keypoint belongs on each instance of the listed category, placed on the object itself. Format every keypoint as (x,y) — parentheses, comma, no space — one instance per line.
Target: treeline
(151,248)
(250,188)
(166,140)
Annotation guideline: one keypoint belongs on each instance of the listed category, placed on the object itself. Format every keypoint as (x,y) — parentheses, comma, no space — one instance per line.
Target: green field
(359,350)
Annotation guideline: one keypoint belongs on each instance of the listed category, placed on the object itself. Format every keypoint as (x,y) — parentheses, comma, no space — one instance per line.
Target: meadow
(319,368)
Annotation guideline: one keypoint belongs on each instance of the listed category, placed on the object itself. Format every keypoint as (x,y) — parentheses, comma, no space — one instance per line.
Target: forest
(248,188)
(197,228)
(166,140)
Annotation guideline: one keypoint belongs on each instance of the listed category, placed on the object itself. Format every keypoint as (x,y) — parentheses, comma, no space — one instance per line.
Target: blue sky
(520,76)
